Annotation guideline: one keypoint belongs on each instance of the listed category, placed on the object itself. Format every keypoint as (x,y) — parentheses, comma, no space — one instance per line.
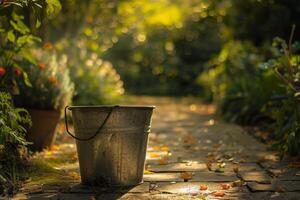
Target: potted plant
(50,92)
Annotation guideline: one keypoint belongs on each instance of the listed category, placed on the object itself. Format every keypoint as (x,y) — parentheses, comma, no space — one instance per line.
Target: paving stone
(192,187)
(178,167)
(240,167)
(257,176)
(20,196)
(43,196)
(83,189)
(279,186)
(214,177)
(76,196)
(150,197)
(169,177)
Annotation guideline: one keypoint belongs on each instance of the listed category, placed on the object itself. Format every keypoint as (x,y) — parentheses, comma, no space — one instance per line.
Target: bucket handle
(96,133)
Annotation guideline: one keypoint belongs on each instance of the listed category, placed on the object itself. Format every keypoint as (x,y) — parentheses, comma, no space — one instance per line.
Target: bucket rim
(111,106)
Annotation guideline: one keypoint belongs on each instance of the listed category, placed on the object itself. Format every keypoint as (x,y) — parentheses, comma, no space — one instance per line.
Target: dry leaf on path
(203,187)
(163,161)
(235,169)
(225,186)
(148,172)
(154,155)
(237,183)
(186,176)
(218,194)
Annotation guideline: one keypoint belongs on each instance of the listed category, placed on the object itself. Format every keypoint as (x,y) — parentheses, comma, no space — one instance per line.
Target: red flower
(48,45)
(18,72)
(42,66)
(2,71)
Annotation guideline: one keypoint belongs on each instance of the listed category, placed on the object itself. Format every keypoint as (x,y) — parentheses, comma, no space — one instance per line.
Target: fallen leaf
(237,183)
(219,170)
(235,169)
(221,165)
(165,148)
(74,175)
(154,155)
(148,172)
(186,176)
(225,186)
(203,187)
(209,166)
(190,140)
(211,157)
(218,194)
(163,161)
(216,145)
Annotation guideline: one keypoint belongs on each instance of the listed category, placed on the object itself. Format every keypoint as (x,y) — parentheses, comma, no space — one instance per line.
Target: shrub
(12,143)
(286,110)
(235,81)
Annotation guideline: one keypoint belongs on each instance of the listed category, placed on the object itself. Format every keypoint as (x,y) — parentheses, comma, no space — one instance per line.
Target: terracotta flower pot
(43,130)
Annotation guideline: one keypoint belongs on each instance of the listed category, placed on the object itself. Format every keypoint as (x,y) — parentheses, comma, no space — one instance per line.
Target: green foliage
(12,141)
(286,111)
(52,87)
(14,44)
(253,91)
(12,121)
(16,38)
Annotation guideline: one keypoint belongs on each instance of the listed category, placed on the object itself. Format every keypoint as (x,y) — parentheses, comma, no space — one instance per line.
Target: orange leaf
(225,186)
(203,187)
(218,194)
(165,148)
(154,155)
(148,172)
(186,176)
(163,161)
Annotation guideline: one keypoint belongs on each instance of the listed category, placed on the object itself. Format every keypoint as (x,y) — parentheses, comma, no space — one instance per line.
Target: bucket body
(116,155)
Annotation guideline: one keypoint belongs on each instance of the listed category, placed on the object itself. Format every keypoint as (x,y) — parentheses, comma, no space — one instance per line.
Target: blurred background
(241,55)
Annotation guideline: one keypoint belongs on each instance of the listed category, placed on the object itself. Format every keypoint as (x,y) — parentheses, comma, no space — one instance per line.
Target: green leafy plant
(286,110)
(16,38)
(12,142)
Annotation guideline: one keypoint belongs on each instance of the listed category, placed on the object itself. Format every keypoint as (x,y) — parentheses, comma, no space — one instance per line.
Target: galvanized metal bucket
(111,143)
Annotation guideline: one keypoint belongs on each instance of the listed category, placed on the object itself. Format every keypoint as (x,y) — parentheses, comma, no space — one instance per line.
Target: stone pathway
(191,155)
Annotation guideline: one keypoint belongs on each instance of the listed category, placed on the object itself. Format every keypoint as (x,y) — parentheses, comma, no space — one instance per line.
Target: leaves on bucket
(186,176)
(225,186)
(218,194)
(203,187)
